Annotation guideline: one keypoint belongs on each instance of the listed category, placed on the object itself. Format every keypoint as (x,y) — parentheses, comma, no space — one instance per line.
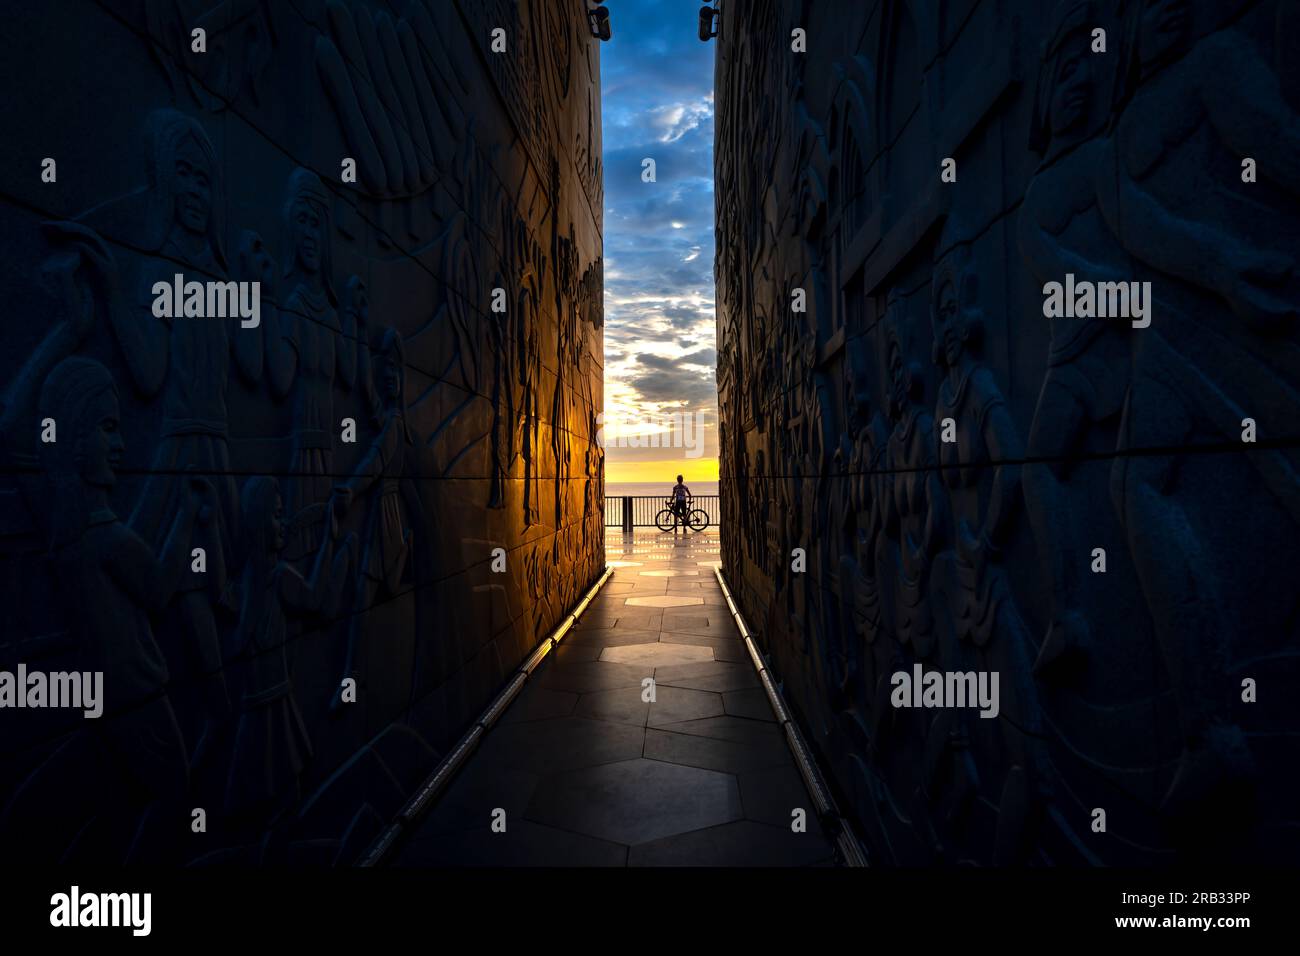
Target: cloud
(679,387)
(659,301)
(675,120)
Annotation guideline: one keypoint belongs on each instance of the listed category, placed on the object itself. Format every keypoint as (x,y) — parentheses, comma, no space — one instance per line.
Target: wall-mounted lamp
(708,23)
(598,21)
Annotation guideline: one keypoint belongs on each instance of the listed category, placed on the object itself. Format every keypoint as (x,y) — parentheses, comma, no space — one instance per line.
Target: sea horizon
(616,489)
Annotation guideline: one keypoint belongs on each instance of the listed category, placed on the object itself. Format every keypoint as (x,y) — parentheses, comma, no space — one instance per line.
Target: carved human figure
(983,608)
(866,441)
(523,366)
(176,222)
(593,474)
(914,508)
(503,328)
(388,529)
(761,506)
(1220,348)
(271,745)
(822,466)
(315,350)
(111,581)
(76,273)
(1062,231)
(568,343)
(590,306)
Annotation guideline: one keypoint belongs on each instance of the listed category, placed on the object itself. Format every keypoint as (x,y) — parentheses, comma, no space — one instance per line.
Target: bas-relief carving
(1133,173)
(240,40)
(1061,230)
(110,581)
(979,602)
(393,510)
(272,747)
(175,224)
(345,559)
(517,367)
(398,93)
(1225,351)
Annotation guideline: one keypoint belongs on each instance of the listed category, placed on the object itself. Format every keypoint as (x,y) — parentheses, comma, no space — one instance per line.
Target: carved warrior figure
(517,366)
(387,534)
(866,439)
(113,580)
(590,307)
(822,469)
(1061,232)
(86,252)
(188,360)
(316,350)
(568,345)
(984,610)
(1220,349)
(271,745)
(914,513)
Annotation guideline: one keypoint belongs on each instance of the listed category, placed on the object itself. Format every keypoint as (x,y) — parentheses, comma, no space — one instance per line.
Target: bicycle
(697,519)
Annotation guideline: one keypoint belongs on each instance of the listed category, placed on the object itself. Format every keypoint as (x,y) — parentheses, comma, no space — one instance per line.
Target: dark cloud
(683,318)
(677,386)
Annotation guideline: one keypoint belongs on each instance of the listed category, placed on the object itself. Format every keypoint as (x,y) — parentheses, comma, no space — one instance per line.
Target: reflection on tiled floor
(585,770)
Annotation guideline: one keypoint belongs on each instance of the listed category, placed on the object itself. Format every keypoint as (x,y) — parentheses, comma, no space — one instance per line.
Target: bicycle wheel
(665,519)
(699,519)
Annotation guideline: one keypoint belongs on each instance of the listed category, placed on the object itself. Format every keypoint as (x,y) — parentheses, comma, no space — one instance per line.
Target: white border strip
(850,849)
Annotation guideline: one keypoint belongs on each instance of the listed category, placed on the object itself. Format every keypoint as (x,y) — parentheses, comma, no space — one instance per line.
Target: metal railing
(638,511)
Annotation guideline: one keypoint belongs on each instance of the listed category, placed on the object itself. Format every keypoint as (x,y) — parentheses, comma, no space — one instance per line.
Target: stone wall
(1075,504)
(348,465)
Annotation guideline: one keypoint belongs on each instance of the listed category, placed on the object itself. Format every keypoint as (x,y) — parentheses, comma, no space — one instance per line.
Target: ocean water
(614,489)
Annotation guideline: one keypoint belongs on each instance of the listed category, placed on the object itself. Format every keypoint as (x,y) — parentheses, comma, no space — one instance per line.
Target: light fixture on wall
(598,20)
(708,23)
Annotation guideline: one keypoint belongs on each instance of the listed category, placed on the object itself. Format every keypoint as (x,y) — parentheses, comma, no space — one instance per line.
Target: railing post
(627,514)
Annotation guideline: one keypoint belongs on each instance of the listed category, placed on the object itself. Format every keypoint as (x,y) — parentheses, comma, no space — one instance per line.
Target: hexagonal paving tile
(582,677)
(710,675)
(710,753)
(685,621)
(475,791)
(571,653)
(732,651)
(635,801)
(706,638)
(536,702)
(772,794)
(523,844)
(561,743)
(611,637)
(656,654)
(592,621)
(672,705)
(737,729)
(664,601)
(751,702)
(621,706)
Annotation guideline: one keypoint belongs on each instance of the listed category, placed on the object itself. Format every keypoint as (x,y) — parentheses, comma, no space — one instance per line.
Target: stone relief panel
(274,534)
(1100,510)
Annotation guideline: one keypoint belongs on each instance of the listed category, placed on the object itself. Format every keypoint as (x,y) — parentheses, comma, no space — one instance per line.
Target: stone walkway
(590,774)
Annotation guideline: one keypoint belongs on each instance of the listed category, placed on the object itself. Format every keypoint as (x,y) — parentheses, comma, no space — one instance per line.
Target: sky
(657,80)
